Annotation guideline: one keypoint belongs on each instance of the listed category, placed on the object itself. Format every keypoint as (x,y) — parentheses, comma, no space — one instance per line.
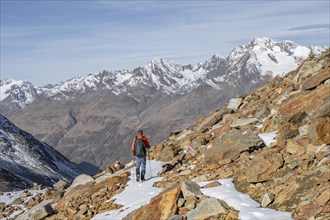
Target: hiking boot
(142,176)
(137,171)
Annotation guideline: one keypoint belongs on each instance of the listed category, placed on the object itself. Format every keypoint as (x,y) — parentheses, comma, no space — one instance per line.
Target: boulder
(234,104)
(305,102)
(190,203)
(230,145)
(60,186)
(213,184)
(25,194)
(267,199)
(294,148)
(181,202)
(57,196)
(319,131)
(286,131)
(242,122)
(190,188)
(176,217)
(315,80)
(309,210)
(81,180)
(206,209)
(210,120)
(303,130)
(33,201)
(321,112)
(162,206)
(263,166)
(201,178)
(307,69)
(38,212)
(168,152)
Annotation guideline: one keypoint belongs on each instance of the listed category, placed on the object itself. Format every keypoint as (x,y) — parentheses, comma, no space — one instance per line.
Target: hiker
(140,146)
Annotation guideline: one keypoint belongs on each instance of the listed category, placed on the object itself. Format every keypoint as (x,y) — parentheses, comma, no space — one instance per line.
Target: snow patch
(268,138)
(135,194)
(247,207)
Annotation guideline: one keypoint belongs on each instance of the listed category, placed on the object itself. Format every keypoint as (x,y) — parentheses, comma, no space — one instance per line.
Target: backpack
(140,147)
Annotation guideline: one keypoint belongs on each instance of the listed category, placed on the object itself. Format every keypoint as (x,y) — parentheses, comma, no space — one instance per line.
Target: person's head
(140,131)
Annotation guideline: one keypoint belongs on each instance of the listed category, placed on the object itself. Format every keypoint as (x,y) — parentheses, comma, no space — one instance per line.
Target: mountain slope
(92,119)
(25,161)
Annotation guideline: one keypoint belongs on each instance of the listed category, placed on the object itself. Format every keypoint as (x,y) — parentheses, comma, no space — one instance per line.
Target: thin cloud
(310,27)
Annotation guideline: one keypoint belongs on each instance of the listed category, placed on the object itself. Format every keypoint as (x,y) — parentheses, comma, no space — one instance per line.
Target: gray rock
(206,208)
(80,180)
(242,122)
(190,188)
(61,185)
(211,120)
(176,217)
(201,178)
(181,202)
(24,195)
(267,199)
(185,172)
(57,196)
(38,212)
(190,202)
(303,130)
(168,153)
(234,103)
(230,145)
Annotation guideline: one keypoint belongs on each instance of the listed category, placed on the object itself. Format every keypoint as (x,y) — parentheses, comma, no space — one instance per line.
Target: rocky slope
(91,120)
(274,143)
(25,161)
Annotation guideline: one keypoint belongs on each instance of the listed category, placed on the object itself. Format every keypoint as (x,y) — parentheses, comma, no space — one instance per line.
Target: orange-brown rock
(310,210)
(323,198)
(263,166)
(230,145)
(293,147)
(161,206)
(305,102)
(33,201)
(316,80)
(212,184)
(319,131)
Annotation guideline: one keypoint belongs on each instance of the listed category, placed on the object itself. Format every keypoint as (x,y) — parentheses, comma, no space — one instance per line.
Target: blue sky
(51,41)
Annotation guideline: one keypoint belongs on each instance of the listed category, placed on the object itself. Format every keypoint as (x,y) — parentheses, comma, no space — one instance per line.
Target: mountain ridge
(166,74)
(88,122)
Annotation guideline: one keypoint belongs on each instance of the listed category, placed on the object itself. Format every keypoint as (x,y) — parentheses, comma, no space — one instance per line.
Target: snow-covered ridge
(24,157)
(258,58)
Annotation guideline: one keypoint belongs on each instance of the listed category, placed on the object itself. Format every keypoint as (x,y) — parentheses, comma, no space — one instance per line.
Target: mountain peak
(261,56)
(261,40)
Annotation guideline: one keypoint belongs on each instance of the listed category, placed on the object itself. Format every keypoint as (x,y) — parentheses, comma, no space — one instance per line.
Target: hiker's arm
(133,143)
(147,142)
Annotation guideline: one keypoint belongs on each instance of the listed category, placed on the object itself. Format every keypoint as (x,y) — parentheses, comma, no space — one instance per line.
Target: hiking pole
(133,172)
(149,163)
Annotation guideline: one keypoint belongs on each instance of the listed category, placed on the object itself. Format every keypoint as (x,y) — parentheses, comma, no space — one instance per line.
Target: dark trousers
(140,162)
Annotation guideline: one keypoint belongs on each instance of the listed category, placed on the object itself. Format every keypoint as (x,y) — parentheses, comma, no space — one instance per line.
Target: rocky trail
(262,156)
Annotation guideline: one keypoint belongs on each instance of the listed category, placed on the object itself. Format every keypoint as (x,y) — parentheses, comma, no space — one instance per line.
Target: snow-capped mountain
(26,161)
(259,58)
(20,92)
(92,119)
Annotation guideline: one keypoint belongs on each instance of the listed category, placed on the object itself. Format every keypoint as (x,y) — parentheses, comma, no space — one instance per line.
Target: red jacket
(144,139)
